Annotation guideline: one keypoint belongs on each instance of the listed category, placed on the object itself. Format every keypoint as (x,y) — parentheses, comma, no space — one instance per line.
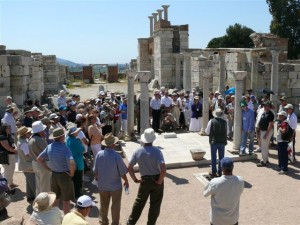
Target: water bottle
(126,189)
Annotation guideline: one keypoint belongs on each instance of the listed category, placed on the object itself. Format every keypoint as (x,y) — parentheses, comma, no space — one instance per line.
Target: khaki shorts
(62,185)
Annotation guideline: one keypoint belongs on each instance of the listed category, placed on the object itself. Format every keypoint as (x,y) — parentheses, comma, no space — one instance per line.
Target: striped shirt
(59,156)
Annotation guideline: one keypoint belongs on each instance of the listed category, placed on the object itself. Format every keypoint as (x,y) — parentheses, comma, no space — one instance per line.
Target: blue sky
(99,31)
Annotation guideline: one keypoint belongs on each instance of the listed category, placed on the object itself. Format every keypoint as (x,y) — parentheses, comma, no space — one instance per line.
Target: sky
(99,31)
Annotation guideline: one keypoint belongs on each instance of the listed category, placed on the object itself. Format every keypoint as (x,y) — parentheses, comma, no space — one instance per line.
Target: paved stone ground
(268,198)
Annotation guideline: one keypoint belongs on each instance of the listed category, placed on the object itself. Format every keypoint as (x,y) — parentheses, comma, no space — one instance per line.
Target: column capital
(165,6)
(155,16)
(275,53)
(144,76)
(239,75)
(150,17)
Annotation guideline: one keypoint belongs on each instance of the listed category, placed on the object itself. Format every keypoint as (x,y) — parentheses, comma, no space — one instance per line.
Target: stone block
(2,47)
(297,67)
(19,81)
(3,60)
(294,75)
(51,73)
(35,86)
(36,63)
(286,67)
(51,67)
(4,82)
(19,99)
(19,70)
(19,90)
(293,83)
(16,60)
(15,52)
(4,71)
(295,91)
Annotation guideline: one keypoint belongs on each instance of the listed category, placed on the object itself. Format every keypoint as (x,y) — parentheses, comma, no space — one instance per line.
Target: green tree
(286,23)
(237,36)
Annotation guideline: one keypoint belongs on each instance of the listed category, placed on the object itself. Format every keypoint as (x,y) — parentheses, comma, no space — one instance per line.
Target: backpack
(287,136)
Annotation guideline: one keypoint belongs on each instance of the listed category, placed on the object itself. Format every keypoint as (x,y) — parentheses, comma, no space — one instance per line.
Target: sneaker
(282,172)
(261,164)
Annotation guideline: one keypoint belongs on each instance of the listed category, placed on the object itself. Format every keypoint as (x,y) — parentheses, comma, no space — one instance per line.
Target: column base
(130,137)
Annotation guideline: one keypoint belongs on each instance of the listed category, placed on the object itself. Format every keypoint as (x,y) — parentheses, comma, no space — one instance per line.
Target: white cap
(53,116)
(37,127)
(289,106)
(101,93)
(85,201)
(78,116)
(282,113)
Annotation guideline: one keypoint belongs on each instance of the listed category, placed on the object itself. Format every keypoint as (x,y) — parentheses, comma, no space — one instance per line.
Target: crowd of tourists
(55,148)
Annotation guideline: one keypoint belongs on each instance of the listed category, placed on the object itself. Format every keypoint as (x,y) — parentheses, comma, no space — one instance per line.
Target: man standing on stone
(62,165)
(109,168)
(37,143)
(153,170)
(166,102)
(225,195)
(266,124)
(10,120)
(248,126)
(123,110)
(217,129)
(61,100)
(155,105)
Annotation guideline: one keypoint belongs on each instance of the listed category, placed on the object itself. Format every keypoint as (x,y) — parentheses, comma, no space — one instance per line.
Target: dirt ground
(268,198)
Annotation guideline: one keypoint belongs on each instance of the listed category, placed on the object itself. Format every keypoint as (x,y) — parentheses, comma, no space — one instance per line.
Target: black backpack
(287,136)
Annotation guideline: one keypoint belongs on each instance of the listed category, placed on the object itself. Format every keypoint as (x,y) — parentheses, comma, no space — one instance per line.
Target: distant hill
(68,63)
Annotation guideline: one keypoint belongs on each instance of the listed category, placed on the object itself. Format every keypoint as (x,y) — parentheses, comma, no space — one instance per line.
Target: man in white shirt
(225,192)
(292,121)
(155,105)
(10,120)
(16,113)
(166,102)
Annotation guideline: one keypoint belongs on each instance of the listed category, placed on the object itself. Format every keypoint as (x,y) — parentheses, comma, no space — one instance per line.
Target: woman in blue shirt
(77,150)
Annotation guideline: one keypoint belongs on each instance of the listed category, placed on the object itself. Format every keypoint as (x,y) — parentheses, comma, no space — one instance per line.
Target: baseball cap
(85,201)
(61,108)
(226,162)
(289,106)
(243,104)
(282,113)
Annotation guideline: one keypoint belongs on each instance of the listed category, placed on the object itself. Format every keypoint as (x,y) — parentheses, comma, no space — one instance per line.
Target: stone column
(222,72)
(165,7)
(159,14)
(237,135)
(155,17)
(151,25)
(144,77)
(187,79)
(274,78)
(177,72)
(254,70)
(207,75)
(130,105)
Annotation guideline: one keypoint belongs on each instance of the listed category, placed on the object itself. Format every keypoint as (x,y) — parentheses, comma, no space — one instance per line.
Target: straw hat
(217,113)
(44,201)
(109,139)
(23,130)
(148,136)
(9,107)
(58,132)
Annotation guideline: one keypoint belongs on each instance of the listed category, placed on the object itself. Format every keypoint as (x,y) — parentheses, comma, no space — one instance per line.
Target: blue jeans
(282,155)
(245,136)
(213,150)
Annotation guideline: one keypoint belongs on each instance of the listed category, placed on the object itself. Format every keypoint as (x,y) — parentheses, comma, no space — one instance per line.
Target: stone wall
(51,74)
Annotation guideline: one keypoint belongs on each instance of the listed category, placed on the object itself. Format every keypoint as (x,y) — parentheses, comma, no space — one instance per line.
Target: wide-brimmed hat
(282,113)
(23,130)
(37,127)
(148,136)
(58,132)
(27,110)
(45,120)
(267,103)
(9,107)
(217,113)
(73,130)
(283,98)
(109,139)
(53,116)
(44,201)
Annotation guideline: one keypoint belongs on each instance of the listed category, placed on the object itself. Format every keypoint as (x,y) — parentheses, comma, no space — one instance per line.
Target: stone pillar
(130,105)
(159,14)
(177,72)
(274,78)
(144,77)
(155,17)
(254,70)
(207,75)
(165,7)
(151,25)
(222,73)
(187,79)
(237,137)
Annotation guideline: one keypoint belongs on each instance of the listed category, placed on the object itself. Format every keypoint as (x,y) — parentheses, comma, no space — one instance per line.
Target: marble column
(222,72)
(177,72)
(207,75)
(187,79)
(144,77)
(130,105)
(151,25)
(237,135)
(165,7)
(154,17)
(159,11)
(254,70)
(274,78)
